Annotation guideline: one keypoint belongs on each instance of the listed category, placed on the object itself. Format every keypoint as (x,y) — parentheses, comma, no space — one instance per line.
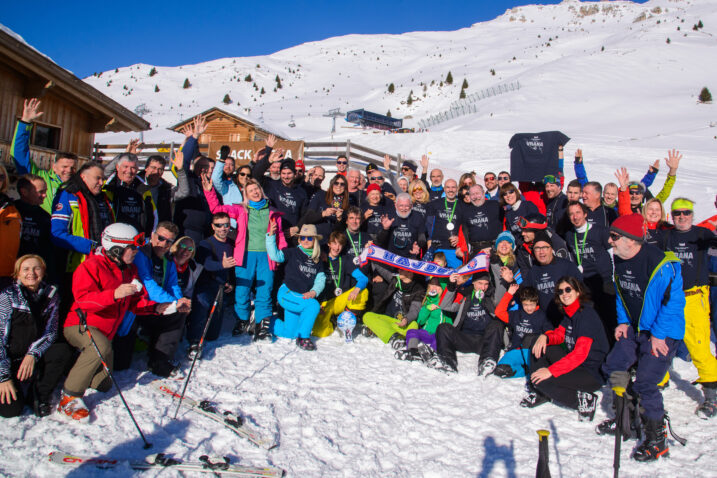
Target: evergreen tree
(465,84)
(409,101)
(668,40)
(186,84)
(463,94)
(262,90)
(388,113)
(449,78)
(700,24)
(705,96)
(247,78)
(391,88)
(226,99)
(152,72)
(156,88)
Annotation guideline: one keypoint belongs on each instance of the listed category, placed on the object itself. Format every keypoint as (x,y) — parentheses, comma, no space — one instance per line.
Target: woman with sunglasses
(253,266)
(514,208)
(567,360)
(419,196)
(304,280)
(106,287)
(325,210)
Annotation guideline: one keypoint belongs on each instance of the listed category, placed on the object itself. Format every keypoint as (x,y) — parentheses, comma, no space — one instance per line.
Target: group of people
(577,289)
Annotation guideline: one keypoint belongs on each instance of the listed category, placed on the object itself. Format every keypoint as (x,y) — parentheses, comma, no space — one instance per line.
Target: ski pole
(543,468)
(619,406)
(83,325)
(199,349)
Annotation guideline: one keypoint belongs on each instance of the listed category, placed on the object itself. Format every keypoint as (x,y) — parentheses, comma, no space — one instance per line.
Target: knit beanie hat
(505,236)
(483,275)
(373,187)
(411,165)
(543,236)
(288,164)
(631,225)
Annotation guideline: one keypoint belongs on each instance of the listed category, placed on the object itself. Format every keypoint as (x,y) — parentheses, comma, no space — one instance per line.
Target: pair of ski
(220,466)
(227,418)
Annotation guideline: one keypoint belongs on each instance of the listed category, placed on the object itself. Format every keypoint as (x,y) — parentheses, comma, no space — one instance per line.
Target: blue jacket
(661,320)
(169,290)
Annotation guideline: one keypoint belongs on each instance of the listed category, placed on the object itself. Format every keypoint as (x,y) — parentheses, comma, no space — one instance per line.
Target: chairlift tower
(333,114)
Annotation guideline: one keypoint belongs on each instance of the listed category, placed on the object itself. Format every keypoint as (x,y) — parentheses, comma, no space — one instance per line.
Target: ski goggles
(551,179)
(526,224)
(134,243)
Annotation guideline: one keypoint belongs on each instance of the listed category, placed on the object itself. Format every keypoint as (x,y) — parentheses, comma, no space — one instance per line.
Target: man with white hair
(129,195)
(403,232)
(480,220)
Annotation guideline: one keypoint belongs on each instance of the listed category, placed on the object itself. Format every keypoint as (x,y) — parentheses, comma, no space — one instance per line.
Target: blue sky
(87,37)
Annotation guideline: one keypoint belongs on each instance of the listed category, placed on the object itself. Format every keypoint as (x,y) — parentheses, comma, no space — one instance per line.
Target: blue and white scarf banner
(478,264)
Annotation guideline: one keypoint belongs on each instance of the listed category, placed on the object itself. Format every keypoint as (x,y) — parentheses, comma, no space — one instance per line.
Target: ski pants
(47,373)
(330,309)
(450,340)
(164,332)
(299,315)
(414,336)
(385,326)
(563,389)
(697,333)
(87,371)
(201,306)
(650,369)
(256,270)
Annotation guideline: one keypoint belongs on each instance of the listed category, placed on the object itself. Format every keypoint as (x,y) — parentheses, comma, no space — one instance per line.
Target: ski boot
(73,408)
(262,330)
(533,399)
(397,341)
(306,344)
(504,371)
(708,409)
(409,355)
(654,445)
(486,367)
(425,352)
(241,327)
(587,403)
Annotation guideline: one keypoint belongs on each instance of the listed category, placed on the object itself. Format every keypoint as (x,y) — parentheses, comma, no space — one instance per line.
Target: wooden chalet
(225,127)
(73,110)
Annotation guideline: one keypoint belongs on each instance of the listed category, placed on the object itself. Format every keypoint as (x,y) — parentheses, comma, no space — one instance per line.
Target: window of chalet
(46,136)
(205,138)
(234,137)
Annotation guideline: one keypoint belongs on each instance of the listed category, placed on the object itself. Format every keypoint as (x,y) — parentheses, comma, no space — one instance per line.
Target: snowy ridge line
(467,106)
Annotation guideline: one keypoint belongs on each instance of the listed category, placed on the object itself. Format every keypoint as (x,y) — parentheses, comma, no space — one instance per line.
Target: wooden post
(348,153)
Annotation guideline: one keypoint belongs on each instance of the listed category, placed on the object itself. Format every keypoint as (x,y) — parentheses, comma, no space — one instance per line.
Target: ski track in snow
(351,410)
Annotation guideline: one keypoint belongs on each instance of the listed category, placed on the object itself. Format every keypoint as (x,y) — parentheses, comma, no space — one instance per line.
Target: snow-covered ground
(353,410)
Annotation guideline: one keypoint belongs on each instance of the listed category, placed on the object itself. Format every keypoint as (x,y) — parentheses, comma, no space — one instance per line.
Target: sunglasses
(161,238)
(186,247)
(342,162)
(507,178)
(376,178)
(405,168)
(340,184)
(565,290)
(221,225)
(242,174)
(681,213)
(306,238)
(635,192)
(489,178)
(615,236)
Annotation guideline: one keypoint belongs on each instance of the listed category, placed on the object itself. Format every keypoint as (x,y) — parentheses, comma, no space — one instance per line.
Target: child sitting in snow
(525,324)
(420,343)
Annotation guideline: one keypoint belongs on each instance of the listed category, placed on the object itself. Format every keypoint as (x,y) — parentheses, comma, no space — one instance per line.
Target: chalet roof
(43,73)
(215,112)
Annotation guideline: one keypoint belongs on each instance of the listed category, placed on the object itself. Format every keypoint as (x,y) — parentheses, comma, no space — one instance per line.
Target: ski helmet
(118,237)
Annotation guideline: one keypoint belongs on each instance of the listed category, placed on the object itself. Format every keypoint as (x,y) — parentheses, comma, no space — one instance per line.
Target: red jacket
(93,286)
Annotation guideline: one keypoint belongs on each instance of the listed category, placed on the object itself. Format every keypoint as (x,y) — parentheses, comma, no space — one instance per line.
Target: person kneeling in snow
(105,288)
(474,327)
(304,280)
